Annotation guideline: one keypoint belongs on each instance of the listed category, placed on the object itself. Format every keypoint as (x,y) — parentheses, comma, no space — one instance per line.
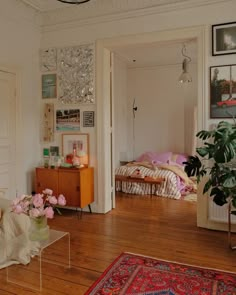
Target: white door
(7,134)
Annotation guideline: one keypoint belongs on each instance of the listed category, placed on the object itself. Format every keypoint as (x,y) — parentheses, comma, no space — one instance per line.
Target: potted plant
(217,159)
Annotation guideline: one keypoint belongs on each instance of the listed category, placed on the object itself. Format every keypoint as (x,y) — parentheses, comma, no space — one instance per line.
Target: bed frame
(149,180)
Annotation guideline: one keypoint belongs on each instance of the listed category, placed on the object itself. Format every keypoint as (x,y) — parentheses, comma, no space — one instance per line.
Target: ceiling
(46,5)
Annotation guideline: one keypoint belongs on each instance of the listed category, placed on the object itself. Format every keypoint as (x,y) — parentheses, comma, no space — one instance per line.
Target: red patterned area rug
(135,274)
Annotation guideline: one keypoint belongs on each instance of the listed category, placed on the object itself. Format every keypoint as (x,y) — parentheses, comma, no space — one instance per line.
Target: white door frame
(18,158)
(103,132)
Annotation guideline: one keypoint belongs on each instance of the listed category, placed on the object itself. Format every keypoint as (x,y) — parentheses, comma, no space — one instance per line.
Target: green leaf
(230,182)
(193,166)
(219,200)
(203,151)
(58,211)
(204,134)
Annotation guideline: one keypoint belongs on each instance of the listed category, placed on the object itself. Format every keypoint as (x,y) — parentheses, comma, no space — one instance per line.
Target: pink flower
(52,200)
(61,200)
(49,213)
(25,205)
(17,200)
(34,212)
(37,200)
(17,209)
(48,191)
(37,205)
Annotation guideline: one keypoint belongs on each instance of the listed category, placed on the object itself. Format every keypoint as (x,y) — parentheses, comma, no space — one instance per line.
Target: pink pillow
(154,157)
(179,158)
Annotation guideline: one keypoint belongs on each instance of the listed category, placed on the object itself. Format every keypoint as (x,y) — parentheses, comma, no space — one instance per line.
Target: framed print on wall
(49,86)
(88,119)
(223,91)
(224,38)
(48,122)
(68,120)
(78,141)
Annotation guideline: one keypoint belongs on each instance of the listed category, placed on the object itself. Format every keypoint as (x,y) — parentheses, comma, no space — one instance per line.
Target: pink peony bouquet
(38,205)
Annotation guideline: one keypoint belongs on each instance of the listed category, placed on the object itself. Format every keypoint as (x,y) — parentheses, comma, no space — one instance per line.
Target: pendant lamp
(185,76)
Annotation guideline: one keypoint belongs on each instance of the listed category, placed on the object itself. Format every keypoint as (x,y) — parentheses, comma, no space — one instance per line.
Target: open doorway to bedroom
(155,118)
(106,145)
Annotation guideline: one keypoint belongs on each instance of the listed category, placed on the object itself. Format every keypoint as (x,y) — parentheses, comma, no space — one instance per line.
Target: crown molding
(35,4)
(115,11)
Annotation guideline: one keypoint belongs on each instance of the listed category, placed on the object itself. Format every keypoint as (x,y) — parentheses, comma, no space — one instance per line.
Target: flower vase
(39,230)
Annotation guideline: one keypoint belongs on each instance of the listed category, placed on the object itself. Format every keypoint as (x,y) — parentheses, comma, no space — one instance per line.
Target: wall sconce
(185,76)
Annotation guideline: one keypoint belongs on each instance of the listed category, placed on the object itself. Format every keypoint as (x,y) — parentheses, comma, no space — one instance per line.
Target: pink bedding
(168,165)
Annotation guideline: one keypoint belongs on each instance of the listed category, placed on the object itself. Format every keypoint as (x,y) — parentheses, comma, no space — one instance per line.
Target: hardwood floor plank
(157,227)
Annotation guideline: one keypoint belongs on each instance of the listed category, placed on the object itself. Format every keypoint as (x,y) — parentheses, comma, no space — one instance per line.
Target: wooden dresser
(77,185)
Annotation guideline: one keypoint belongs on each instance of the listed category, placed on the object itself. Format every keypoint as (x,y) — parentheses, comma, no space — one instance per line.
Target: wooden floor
(158,227)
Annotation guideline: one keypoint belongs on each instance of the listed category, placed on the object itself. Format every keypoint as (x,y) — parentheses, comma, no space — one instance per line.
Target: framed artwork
(68,120)
(49,86)
(223,91)
(54,151)
(48,122)
(88,119)
(76,74)
(224,38)
(79,142)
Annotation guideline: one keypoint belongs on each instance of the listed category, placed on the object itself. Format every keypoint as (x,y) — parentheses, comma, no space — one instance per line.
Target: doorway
(103,58)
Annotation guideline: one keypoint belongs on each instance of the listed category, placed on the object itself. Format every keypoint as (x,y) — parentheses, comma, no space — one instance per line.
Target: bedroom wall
(121,111)
(163,121)
(20,38)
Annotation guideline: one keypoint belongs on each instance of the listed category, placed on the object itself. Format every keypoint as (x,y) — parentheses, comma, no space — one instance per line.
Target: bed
(167,165)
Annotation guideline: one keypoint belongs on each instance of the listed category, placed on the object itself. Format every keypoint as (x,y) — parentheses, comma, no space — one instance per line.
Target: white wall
(160,123)
(20,38)
(121,111)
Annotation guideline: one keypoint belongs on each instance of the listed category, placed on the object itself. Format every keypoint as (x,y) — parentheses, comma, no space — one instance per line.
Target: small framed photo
(54,151)
(68,120)
(224,38)
(78,142)
(88,119)
(49,86)
(223,91)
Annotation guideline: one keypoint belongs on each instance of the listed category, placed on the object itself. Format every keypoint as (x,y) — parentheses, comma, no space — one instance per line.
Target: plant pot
(39,230)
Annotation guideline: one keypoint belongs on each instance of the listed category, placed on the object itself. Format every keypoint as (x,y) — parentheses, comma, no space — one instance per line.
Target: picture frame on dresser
(224,38)
(78,142)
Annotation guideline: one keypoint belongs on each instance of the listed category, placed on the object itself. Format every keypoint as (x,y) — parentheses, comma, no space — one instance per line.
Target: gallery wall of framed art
(222,77)
(68,94)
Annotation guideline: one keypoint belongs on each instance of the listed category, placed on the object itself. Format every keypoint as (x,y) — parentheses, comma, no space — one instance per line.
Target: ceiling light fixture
(185,76)
(73,1)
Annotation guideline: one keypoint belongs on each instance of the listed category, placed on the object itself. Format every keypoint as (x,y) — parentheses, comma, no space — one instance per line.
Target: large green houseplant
(216,160)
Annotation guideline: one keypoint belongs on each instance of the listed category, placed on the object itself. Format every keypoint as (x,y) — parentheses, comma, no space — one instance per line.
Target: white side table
(17,273)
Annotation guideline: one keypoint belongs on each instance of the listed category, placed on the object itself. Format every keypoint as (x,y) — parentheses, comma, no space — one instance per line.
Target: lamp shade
(185,76)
